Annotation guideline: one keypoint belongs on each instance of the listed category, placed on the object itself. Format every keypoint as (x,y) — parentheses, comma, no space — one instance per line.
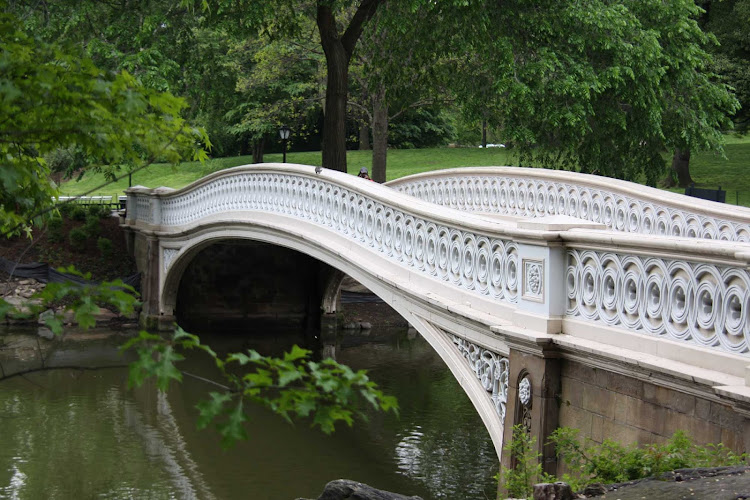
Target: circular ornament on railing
(469,255)
(524,391)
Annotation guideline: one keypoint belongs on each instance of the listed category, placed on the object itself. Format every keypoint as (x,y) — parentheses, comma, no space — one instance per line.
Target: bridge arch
(441,340)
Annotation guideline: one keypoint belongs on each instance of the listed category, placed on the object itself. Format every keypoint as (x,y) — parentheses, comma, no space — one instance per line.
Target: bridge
(555,298)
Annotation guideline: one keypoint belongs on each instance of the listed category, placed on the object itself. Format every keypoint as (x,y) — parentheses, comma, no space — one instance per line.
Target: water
(69,434)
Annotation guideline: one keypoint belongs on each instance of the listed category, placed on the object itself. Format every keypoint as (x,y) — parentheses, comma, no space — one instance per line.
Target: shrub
(66,209)
(105,247)
(611,462)
(99,211)
(78,212)
(55,229)
(92,226)
(519,481)
(78,238)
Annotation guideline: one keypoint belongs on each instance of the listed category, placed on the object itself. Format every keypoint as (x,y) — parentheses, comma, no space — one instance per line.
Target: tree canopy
(52,97)
(600,87)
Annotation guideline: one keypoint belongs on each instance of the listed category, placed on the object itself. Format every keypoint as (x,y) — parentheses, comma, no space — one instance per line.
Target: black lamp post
(284,134)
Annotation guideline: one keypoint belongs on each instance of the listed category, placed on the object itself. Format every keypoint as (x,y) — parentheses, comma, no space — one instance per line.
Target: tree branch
(364,13)
(361,107)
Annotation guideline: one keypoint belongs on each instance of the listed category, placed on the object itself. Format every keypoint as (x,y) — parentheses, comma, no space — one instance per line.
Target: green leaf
(290,375)
(296,353)
(209,410)
(54,323)
(165,370)
(233,429)
(239,357)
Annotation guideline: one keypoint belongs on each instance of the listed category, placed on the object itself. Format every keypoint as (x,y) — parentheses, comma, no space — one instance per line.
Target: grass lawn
(401,162)
(732,173)
(707,169)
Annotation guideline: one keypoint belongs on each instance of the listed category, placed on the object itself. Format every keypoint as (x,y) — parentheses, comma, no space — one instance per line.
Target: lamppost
(284,134)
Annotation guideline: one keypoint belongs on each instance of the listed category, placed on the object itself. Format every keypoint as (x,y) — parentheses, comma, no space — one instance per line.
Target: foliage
(55,229)
(54,97)
(519,481)
(600,87)
(66,209)
(102,211)
(92,226)
(78,212)
(78,237)
(728,21)
(423,127)
(105,247)
(67,160)
(279,83)
(326,392)
(612,462)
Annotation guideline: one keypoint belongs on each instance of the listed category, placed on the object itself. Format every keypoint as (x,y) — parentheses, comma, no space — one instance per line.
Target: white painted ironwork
(169,254)
(700,303)
(524,391)
(469,260)
(490,368)
(529,192)
(143,209)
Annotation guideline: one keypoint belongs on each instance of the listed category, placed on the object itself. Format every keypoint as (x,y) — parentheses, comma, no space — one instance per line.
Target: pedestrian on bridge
(363,173)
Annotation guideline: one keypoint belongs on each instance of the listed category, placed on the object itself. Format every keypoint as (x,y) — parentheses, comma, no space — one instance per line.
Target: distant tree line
(607,88)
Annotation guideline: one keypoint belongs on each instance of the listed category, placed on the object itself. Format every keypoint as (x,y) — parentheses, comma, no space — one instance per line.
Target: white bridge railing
(619,205)
(591,278)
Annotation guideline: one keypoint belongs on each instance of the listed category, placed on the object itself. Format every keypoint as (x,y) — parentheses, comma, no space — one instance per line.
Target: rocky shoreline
(19,293)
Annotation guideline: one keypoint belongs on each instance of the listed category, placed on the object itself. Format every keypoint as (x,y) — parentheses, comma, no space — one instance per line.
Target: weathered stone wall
(606,405)
(241,284)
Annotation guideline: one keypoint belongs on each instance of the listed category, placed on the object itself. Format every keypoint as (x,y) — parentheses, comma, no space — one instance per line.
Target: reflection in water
(408,452)
(71,435)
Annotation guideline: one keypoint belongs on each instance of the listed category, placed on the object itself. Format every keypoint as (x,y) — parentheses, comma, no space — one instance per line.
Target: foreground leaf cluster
(54,98)
(83,300)
(292,386)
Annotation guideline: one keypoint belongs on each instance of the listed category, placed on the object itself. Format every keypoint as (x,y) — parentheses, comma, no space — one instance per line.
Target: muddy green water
(68,434)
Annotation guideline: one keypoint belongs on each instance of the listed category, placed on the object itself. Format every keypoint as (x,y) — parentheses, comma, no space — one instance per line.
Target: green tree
(279,83)
(599,87)
(51,98)
(397,73)
(340,24)
(728,21)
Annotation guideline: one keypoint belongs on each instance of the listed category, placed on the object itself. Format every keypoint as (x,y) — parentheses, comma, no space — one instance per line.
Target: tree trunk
(258,145)
(245,145)
(334,123)
(681,167)
(484,133)
(338,50)
(364,137)
(379,136)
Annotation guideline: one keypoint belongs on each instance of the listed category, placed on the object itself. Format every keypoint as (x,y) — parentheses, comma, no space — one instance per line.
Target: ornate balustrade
(470,253)
(684,296)
(547,278)
(621,206)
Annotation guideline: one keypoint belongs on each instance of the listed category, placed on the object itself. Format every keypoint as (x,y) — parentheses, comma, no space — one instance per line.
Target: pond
(71,434)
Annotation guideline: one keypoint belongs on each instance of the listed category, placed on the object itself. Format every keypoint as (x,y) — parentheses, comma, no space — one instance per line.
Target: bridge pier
(533,401)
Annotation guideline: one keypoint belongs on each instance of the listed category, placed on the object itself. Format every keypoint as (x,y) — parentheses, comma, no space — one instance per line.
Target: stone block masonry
(606,405)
